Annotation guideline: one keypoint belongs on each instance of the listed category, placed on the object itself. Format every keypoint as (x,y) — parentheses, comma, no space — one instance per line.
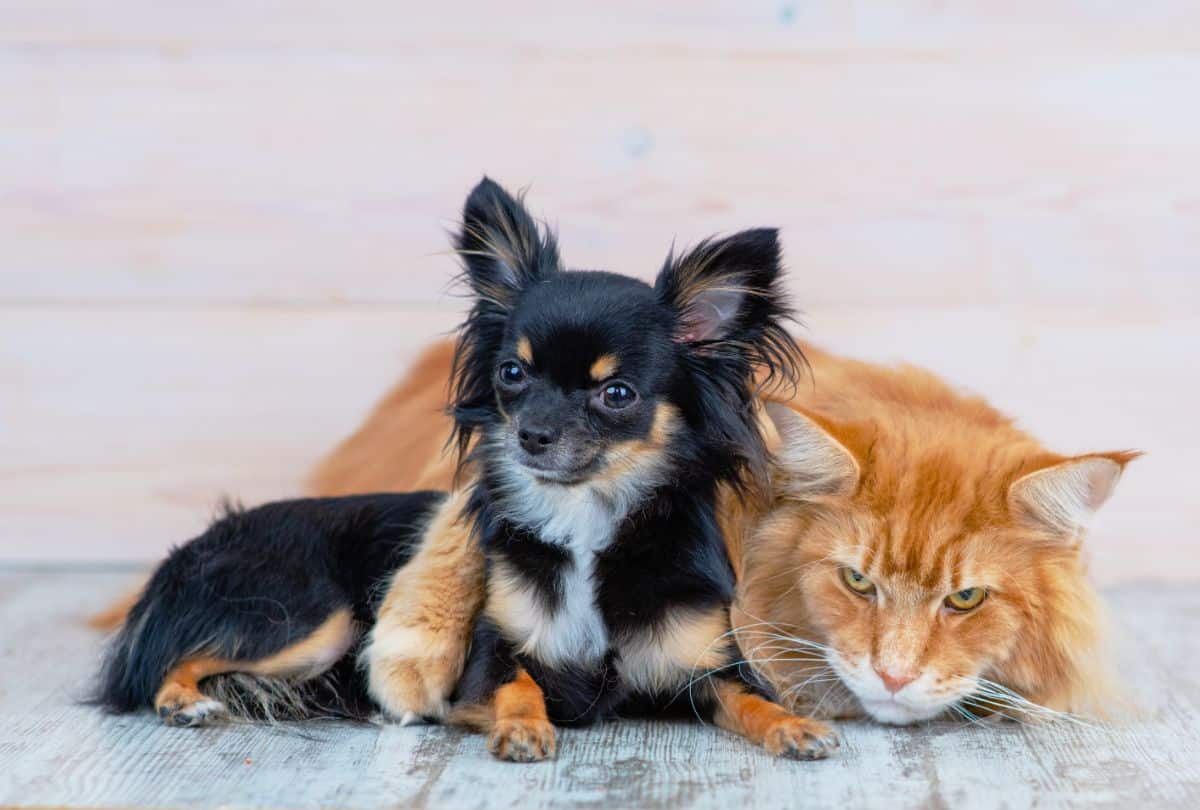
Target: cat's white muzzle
(924,698)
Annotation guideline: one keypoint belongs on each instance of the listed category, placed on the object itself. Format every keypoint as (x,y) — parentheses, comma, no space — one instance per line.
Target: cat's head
(931,553)
(579,380)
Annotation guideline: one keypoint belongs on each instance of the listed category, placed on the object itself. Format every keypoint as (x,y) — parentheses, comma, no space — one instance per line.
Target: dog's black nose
(536,440)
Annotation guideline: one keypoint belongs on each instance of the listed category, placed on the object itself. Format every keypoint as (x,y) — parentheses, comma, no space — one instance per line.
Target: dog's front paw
(800,738)
(522,740)
(410,686)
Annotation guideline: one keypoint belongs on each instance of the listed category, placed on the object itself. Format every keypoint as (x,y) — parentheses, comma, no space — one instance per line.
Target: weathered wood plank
(55,751)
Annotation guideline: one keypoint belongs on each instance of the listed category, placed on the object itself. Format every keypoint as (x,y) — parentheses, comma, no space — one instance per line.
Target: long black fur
(260,580)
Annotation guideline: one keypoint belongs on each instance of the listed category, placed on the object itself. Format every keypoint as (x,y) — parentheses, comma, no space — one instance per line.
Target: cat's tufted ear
(1064,496)
(810,461)
(501,247)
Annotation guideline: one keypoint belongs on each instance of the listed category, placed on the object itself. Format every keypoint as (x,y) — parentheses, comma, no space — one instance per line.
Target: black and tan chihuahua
(600,417)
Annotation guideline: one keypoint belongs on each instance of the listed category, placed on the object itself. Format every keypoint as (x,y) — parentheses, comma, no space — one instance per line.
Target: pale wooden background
(222,224)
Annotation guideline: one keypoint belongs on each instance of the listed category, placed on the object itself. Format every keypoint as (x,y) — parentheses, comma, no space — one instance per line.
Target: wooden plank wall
(222,225)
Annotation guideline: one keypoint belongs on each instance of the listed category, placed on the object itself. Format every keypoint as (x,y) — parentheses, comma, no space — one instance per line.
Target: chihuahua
(599,417)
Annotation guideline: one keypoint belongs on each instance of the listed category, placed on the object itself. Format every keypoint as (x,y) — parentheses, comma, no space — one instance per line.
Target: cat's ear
(810,461)
(723,289)
(501,247)
(1063,497)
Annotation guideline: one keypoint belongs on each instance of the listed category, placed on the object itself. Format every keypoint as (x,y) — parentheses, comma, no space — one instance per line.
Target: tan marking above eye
(525,351)
(966,599)
(857,582)
(603,367)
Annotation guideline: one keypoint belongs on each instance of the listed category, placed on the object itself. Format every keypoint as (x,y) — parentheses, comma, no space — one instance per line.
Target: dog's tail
(149,644)
(160,633)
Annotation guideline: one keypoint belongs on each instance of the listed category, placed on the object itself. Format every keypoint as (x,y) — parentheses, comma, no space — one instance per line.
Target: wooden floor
(54,751)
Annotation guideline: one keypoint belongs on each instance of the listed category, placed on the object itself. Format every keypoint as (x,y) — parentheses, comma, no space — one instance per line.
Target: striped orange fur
(923,492)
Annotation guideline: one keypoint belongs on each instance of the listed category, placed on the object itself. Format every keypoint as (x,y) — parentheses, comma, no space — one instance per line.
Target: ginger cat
(922,556)
(918,554)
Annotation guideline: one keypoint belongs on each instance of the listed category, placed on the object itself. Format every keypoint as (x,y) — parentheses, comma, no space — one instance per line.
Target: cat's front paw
(522,740)
(800,738)
(411,683)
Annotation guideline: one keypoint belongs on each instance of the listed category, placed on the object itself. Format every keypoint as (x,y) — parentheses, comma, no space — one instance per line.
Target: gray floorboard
(55,751)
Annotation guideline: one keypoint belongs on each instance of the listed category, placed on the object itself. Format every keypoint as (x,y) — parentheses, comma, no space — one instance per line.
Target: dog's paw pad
(522,740)
(800,738)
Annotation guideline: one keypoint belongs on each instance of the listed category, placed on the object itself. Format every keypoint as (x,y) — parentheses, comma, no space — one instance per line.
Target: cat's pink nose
(894,681)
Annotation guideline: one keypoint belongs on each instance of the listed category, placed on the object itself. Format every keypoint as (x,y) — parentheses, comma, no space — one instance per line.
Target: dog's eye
(618,395)
(511,373)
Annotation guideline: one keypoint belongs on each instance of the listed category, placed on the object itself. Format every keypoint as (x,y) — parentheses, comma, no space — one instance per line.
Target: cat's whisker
(994,711)
(994,697)
(759,620)
(781,646)
(712,671)
(788,638)
(829,691)
(796,569)
(764,636)
(758,651)
(966,714)
(785,647)
(797,688)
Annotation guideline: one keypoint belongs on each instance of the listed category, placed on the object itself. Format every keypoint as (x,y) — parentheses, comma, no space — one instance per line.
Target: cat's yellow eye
(857,582)
(966,599)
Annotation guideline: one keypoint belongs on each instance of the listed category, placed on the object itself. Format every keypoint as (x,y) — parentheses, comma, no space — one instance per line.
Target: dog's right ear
(501,246)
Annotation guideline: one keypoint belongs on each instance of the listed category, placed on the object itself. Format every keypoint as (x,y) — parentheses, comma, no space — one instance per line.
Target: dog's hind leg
(180,701)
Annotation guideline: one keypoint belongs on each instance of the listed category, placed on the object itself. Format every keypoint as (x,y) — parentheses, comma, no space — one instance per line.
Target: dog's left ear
(730,315)
(724,289)
(501,247)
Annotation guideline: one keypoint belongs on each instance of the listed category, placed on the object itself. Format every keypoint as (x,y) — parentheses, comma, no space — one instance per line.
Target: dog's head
(584,377)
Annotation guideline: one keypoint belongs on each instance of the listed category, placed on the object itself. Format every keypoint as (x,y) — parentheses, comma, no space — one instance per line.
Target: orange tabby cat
(918,554)
(922,555)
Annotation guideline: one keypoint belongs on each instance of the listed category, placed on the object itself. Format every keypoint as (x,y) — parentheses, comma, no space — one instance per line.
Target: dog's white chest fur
(583,524)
